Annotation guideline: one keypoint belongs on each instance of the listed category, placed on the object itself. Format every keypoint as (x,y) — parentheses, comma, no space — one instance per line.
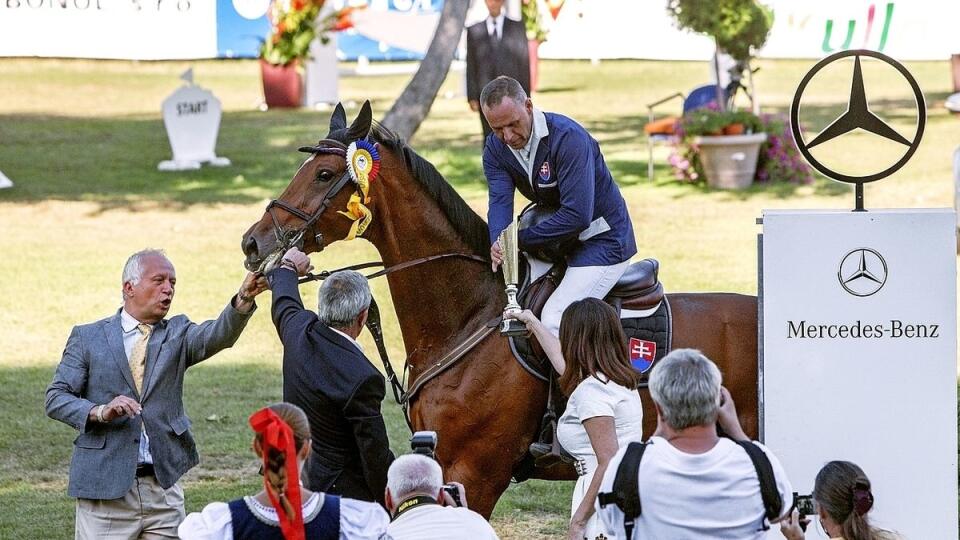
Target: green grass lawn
(81,140)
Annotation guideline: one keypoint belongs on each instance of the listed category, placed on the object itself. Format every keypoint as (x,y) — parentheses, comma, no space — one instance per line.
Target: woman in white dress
(283,509)
(603,409)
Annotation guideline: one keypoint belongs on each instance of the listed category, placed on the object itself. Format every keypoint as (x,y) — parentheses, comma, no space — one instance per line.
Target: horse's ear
(361,125)
(339,118)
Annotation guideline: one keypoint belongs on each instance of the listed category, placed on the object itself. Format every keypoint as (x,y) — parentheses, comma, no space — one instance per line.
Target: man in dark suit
(495,46)
(326,373)
(120,383)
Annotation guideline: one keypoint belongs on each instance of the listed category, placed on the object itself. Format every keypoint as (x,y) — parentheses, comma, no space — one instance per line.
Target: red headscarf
(276,434)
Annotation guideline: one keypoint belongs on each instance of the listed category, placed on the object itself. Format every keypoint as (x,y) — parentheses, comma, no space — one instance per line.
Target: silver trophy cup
(511,276)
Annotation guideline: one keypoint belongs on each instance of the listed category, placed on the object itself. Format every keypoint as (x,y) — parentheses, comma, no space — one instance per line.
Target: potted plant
(738,28)
(536,32)
(725,144)
(293,27)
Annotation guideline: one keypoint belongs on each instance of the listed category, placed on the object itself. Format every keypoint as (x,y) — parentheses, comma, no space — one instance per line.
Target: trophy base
(512,327)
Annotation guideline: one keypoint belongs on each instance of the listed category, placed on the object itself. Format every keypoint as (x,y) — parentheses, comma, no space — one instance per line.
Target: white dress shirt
(528,153)
(350,339)
(495,25)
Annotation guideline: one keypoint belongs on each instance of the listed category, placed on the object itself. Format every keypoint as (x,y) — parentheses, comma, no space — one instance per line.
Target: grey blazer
(94,370)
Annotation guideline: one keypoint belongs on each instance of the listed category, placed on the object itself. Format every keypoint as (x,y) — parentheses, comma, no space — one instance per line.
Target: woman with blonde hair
(603,410)
(283,509)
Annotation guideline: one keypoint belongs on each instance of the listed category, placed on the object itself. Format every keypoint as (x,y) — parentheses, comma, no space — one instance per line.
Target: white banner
(125,29)
(859,356)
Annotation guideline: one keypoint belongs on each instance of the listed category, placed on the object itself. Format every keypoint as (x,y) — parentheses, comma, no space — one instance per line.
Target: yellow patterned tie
(138,355)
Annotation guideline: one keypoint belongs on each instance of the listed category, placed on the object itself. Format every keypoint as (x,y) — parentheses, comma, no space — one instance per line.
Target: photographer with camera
(691,483)
(841,499)
(421,506)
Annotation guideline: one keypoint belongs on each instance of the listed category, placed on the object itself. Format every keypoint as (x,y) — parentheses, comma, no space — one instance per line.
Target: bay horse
(485,408)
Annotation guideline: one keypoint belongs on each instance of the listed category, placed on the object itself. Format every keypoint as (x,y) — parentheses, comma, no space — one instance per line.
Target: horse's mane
(468,225)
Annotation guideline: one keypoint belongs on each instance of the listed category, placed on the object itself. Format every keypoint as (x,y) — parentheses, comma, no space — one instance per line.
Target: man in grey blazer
(120,384)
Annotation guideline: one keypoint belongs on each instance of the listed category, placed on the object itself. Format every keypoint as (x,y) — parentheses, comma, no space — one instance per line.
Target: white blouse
(358,519)
(592,398)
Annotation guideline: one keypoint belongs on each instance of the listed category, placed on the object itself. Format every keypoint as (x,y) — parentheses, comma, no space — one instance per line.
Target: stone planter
(282,85)
(730,161)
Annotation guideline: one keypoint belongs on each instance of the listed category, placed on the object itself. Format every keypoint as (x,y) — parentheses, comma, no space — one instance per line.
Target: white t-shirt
(435,522)
(695,496)
(358,519)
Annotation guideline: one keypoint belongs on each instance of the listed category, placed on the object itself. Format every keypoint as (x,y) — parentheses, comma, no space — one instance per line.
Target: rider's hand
(298,260)
(496,255)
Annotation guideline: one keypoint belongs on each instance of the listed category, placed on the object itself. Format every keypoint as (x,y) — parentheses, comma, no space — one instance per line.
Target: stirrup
(546,455)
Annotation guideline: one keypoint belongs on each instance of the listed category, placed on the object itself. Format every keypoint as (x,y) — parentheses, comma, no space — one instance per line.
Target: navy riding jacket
(569,175)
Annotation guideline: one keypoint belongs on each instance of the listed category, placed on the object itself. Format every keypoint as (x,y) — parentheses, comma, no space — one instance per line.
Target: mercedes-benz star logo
(857,115)
(862,272)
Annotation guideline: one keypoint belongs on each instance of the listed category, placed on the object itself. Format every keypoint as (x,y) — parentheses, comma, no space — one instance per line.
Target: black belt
(145,469)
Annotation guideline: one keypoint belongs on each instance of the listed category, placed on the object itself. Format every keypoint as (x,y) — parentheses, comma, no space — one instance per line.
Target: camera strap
(772,504)
(413,502)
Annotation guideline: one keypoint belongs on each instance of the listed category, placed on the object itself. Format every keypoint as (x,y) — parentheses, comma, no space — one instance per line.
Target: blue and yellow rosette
(363,164)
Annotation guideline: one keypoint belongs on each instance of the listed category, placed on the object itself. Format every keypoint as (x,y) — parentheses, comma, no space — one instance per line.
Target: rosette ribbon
(363,164)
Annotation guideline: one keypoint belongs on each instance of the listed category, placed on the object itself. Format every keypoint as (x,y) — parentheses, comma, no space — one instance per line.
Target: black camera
(425,443)
(804,504)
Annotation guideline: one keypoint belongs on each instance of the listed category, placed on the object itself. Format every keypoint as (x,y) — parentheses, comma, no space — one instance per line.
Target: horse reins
(293,237)
(401,395)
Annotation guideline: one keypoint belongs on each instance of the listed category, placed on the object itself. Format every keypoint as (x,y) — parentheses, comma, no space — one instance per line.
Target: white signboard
(860,356)
(140,29)
(192,118)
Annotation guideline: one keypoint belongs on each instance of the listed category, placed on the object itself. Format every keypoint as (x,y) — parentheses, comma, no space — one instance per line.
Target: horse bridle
(293,237)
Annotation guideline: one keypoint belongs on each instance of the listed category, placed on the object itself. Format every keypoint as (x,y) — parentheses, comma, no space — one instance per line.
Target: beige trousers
(146,511)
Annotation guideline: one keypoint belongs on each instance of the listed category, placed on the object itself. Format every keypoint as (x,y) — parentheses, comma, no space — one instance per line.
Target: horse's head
(310,213)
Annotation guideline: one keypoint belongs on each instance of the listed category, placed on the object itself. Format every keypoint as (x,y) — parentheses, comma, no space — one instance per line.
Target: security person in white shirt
(422,510)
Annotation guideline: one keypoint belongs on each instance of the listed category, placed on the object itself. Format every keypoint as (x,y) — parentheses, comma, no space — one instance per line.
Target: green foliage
(709,121)
(292,31)
(533,20)
(738,26)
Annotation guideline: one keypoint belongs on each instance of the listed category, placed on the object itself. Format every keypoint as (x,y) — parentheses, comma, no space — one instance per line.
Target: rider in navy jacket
(569,174)
(555,163)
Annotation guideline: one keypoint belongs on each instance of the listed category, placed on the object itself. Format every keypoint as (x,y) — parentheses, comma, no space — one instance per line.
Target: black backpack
(626,495)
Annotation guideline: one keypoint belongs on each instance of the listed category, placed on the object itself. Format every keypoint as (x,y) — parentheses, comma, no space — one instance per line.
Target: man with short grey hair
(326,373)
(422,510)
(692,483)
(120,384)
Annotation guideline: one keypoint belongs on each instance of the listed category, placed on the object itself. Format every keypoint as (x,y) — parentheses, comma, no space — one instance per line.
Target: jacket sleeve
(362,412)
(500,207)
(473,79)
(287,305)
(206,339)
(65,399)
(574,167)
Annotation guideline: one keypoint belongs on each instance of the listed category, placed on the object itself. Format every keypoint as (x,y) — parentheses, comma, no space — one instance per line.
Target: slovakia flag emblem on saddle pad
(545,171)
(642,354)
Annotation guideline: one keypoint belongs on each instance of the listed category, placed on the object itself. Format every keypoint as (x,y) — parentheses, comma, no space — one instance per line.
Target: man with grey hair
(692,483)
(554,162)
(120,384)
(422,510)
(327,374)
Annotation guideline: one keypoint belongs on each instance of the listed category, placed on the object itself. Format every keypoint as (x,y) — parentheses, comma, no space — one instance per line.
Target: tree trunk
(411,108)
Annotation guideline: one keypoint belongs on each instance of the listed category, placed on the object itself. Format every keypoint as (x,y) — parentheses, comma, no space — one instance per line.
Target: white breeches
(578,283)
